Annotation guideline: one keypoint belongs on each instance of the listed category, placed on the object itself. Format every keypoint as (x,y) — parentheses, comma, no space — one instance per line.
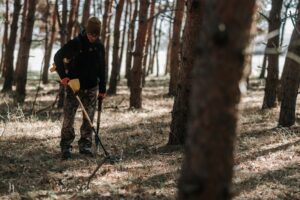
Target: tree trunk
(181,106)
(290,81)
(85,12)
(63,24)
(21,71)
(263,67)
(49,45)
(105,20)
(115,72)
(218,65)
(273,43)
(62,31)
(5,36)
(152,57)
(148,40)
(168,60)
(158,45)
(175,47)
(107,42)
(76,29)
(22,32)
(123,37)
(130,46)
(8,66)
(136,71)
(72,18)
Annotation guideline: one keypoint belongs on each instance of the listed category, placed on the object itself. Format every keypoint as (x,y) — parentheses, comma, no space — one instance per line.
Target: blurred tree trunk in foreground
(136,71)
(218,66)
(290,80)
(175,47)
(8,67)
(181,104)
(24,50)
(270,98)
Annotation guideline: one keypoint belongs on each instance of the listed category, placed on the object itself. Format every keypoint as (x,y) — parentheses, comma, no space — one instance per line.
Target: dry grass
(267,157)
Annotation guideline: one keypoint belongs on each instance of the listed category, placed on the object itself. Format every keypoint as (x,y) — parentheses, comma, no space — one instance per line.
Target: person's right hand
(65,81)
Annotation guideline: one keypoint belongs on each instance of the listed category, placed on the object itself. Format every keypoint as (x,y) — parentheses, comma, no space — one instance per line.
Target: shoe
(65,154)
(86,152)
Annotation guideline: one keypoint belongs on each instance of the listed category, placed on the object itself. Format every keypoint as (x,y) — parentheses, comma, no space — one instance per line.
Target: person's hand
(65,81)
(101,96)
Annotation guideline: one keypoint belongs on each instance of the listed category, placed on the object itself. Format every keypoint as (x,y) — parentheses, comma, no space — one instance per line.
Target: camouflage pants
(89,99)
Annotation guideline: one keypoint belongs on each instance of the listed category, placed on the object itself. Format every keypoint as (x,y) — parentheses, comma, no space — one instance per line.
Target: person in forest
(81,58)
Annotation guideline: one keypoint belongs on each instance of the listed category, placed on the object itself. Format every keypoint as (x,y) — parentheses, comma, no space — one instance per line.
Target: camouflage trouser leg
(89,99)
(67,131)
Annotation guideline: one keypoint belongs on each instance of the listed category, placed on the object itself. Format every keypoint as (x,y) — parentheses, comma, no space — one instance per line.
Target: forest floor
(267,157)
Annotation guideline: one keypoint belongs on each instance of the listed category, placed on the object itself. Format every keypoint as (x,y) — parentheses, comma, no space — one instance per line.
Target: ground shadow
(255,155)
(284,176)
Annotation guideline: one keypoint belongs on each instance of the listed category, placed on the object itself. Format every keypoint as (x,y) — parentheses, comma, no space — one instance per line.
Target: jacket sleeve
(102,71)
(64,55)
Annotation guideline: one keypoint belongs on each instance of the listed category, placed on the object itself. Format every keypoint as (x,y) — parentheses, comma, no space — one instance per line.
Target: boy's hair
(93,26)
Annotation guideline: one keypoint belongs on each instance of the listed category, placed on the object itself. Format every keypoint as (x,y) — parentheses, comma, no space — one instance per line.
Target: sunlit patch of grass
(267,157)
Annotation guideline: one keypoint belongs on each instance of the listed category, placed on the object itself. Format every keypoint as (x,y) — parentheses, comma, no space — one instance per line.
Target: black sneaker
(86,152)
(65,155)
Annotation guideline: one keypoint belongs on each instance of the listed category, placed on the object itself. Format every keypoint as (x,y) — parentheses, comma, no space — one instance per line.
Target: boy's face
(92,37)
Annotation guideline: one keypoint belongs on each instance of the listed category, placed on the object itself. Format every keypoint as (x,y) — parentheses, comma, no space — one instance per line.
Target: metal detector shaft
(91,124)
(97,139)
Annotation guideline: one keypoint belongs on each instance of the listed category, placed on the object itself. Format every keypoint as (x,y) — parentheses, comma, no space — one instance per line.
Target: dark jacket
(86,61)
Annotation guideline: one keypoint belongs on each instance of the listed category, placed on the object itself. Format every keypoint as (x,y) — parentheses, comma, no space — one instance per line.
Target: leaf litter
(267,157)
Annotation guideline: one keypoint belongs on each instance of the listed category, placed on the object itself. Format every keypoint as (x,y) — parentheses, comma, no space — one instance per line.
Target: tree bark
(107,42)
(290,81)
(158,45)
(49,45)
(169,47)
(207,168)
(136,71)
(152,57)
(181,105)
(263,67)
(8,66)
(5,35)
(72,18)
(130,46)
(115,72)
(123,36)
(62,30)
(270,98)
(85,12)
(148,40)
(105,20)
(175,47)
(76,29)
(21,71)
(22,32)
